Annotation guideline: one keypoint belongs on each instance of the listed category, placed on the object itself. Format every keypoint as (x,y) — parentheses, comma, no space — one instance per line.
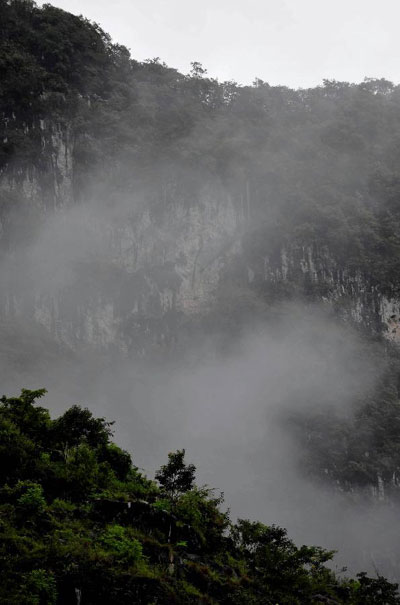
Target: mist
(229,410)
(227,398)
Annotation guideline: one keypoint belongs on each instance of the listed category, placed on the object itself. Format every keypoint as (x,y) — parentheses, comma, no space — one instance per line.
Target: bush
(32,500)
(123,548)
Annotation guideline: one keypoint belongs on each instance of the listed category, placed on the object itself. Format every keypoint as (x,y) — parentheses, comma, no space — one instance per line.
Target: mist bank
(243,407)
(148,189)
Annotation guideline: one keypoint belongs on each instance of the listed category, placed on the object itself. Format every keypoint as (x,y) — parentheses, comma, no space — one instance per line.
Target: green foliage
(77,425)
(81,470)
(32,501)
(285,573)
(94,523)
(40,588)
(374,590)
(201,511)
(119,460)
(176,477)
(163,504)
(361,451)
(125,549)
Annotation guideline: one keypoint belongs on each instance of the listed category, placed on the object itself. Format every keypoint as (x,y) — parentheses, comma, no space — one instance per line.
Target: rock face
(123,274)
(45,180)
(312,271)
(110,275)
(153,270)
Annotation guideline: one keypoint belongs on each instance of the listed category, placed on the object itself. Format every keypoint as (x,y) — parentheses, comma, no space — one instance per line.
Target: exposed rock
(166,261)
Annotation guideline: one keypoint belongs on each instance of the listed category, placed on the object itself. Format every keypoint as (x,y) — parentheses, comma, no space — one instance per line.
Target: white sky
(292,42)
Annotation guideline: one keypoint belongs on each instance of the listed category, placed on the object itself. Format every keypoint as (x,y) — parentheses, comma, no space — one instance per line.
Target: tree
(77,426)
(197,71)
(176,477)
(369,591)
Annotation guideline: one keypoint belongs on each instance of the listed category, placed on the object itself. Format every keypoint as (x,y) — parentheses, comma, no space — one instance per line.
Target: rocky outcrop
(42,171)
(312,271)
(129,273)
(135,269)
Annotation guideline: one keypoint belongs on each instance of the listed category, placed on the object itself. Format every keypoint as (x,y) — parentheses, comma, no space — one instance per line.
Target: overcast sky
(292,42)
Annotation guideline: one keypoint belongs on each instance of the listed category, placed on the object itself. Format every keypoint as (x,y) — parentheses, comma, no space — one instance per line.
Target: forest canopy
(78,518)
(310,167)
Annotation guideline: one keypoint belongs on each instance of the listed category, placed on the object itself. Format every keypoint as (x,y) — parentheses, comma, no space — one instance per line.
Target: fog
(229,411)
(225,398)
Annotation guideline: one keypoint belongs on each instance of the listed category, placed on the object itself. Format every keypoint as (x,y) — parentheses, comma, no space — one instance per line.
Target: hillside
(80,523)
(278,192)
(145,214)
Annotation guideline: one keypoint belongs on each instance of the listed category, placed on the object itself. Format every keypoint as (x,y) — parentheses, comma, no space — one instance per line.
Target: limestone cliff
(145,266)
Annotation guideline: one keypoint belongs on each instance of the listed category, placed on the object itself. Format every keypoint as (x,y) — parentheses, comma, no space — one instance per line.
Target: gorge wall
(125,272)
(135,199)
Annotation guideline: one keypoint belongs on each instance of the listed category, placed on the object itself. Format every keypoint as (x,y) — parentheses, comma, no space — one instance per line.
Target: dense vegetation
(359,451)
(80,523)
(312,167)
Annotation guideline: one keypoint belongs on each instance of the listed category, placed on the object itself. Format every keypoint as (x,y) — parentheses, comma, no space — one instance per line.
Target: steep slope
(140,206)
(80,523)
(185,186)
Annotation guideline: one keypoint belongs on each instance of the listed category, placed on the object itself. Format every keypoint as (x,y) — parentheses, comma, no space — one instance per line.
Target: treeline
(80,523)
(312,167)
